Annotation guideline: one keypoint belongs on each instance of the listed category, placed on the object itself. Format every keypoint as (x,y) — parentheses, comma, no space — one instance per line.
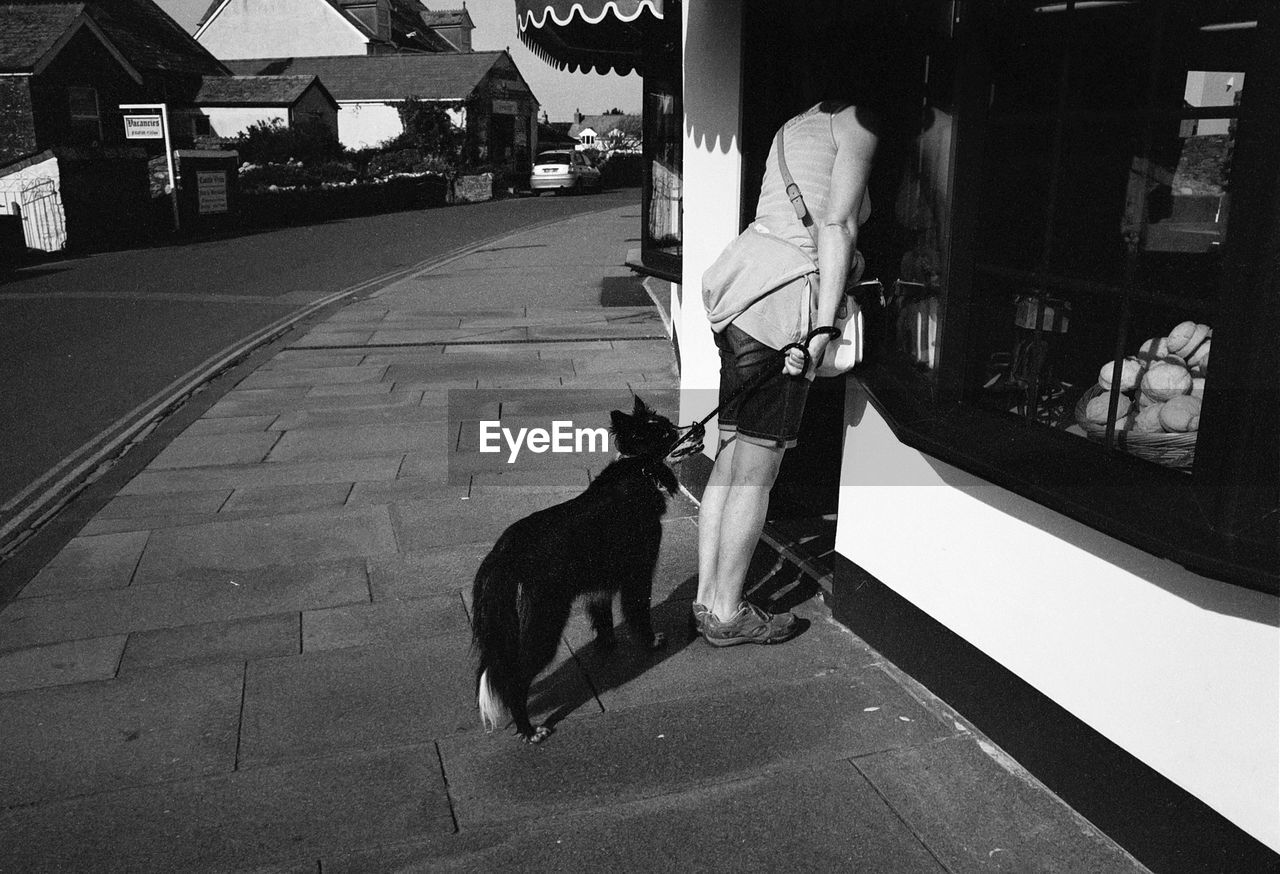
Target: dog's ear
(618,420)
(641,408)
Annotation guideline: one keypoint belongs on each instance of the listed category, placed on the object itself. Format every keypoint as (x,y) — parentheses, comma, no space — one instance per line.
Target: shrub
(273,143)
(622,171)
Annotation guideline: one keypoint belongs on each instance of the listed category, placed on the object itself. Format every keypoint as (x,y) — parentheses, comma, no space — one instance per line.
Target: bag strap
(793,190)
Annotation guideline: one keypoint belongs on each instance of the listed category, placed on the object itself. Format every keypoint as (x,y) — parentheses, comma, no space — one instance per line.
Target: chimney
(577,116)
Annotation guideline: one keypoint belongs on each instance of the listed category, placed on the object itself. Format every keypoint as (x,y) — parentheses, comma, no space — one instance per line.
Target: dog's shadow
(590,671)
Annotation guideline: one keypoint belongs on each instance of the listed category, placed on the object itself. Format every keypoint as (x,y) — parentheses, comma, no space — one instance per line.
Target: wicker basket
(1170,450)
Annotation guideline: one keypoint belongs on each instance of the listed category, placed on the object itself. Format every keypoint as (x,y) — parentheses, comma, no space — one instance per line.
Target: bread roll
(1180,336)
(1148,421)
(1144,401)
(1163,381)
(1197,386)
(1198,335)
(1180,414)
(1199,362)
(1154,349)
(1096,410)
(1130,374)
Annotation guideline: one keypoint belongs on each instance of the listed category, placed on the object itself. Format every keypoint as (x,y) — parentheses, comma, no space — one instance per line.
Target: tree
(625,136)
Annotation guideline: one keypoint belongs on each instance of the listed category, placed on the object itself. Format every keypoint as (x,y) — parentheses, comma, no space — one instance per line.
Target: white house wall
(230,121)
(712,183)
(279,28)
(361,125)
(1181,671)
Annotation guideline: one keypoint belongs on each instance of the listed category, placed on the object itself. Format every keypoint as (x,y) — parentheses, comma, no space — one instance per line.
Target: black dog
(603,541)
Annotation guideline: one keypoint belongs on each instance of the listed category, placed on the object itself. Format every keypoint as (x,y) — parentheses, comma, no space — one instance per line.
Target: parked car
(563,170)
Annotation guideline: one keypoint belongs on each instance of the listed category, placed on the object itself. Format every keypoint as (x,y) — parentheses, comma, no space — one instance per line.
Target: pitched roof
(440,76)
(409,28)
(601,124)
(28,33)
(447,17)
(143,33)
(254,90)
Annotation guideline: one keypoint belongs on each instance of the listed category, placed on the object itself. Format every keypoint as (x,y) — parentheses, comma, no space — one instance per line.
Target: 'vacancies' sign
(143,127)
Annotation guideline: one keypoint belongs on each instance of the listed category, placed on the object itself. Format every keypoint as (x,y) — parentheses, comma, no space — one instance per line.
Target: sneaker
(698,621)
(749,625)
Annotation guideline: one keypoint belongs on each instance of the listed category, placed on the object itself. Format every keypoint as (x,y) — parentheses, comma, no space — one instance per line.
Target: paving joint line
(446,343)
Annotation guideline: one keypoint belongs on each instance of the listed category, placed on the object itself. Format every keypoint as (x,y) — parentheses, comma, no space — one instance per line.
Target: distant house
(606,133)
(483,92)
(233,103)
(309,28)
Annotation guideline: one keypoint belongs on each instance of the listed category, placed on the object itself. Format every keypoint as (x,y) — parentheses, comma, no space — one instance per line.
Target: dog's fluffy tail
(491,709)
(495,626)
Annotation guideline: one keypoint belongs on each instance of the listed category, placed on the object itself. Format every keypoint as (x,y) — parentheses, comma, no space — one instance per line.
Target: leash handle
(697,431)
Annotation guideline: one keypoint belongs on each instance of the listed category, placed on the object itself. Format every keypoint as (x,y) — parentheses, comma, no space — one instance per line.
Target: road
(87,341)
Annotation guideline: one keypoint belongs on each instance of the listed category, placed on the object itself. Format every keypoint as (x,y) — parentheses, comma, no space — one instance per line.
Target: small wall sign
(211,191)
(143,127)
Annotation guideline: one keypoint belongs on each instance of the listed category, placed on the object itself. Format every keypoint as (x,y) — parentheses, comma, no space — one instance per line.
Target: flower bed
(288,206)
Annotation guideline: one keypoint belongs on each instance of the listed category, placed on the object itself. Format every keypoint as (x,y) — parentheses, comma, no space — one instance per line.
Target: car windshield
(554,158)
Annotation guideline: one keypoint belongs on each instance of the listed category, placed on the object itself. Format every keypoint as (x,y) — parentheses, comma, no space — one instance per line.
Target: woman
(828,151)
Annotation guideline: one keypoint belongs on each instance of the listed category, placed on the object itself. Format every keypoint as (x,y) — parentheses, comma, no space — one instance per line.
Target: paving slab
(244,402)
(426,573)
(286,499)
(169,482)
(803,819)
(59,664)
(354,389)
(309,358)
(384,623)
(103,561)
(236,640)
(358,441)
(335,339)
(418,415)
(94,737)
(269,540)
(309,376)
(208,596)
(405,488)
(447,521)
(123,506)
(457,368)
(206,450)
(357,698)
(240,821)
(231,424)
(1019,826)
(674,747)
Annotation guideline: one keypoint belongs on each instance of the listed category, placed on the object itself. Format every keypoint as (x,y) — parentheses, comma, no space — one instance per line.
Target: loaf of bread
(1163,381)
(1130,373)
(1096,409)
(1187,337)
(1199,362)
(1148,421)
(1180,414)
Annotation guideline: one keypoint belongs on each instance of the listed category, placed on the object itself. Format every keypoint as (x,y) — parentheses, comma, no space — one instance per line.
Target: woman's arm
(838,229)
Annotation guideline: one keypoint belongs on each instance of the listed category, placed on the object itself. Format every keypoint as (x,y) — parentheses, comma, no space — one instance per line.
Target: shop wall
(17,126)
(282,28)
(313,105)
(1180,671)
(712,183)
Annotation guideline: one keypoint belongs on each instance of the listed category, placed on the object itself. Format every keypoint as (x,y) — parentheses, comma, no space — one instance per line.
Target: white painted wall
(712,186)
(278,29)
(365,124)
(1181,671)
(229,121)
(44,224)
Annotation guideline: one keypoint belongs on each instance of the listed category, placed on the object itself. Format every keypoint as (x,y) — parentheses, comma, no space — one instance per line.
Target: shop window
(663,238)
(1052,328)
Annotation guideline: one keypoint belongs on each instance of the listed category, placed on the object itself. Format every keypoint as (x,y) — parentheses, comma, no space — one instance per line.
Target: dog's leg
(636,593)
(600,609)
(539,640)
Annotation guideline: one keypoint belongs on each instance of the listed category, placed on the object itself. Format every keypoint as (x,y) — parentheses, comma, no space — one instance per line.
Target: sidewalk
(256,656)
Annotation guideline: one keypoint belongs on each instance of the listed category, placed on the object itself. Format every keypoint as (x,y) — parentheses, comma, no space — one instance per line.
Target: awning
(600,35)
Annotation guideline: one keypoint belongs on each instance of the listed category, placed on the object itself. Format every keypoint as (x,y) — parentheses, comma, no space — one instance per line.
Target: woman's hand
(793,365)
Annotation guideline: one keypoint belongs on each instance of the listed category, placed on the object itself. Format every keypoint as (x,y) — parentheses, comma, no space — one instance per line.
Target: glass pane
(662,145)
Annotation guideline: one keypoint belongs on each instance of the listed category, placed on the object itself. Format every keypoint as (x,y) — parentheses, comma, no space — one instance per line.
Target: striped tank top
(811,151)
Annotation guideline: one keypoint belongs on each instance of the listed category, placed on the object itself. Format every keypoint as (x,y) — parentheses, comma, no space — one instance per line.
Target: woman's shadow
(589,671)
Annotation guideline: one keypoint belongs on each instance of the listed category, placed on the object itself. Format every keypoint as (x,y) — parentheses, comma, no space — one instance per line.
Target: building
(271,28)
(233,103)
(483,92)
(1103,605)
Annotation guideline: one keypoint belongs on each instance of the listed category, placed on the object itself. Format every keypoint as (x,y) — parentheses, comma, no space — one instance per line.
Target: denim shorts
(770,413)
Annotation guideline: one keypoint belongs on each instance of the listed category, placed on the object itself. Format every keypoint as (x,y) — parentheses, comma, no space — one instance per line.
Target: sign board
(211,191)
(505,107)
(143,127)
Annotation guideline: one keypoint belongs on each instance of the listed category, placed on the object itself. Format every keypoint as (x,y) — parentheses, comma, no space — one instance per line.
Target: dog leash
(695,434)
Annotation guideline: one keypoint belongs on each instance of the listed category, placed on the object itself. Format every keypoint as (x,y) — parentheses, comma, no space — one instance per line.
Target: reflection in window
(663,194)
